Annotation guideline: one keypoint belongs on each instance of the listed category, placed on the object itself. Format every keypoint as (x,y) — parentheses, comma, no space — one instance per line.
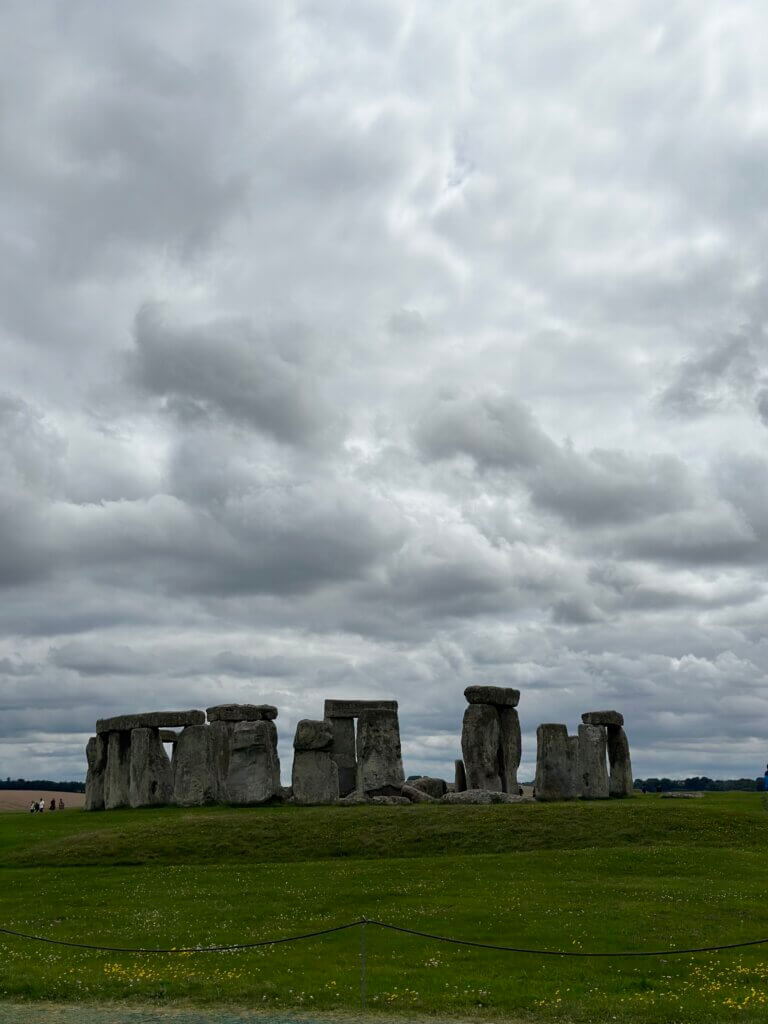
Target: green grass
(637,874)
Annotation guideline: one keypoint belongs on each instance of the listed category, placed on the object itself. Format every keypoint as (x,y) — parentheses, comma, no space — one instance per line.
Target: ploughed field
(638,874)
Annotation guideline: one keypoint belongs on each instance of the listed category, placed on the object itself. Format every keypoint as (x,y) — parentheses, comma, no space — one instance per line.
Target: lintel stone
(353,708)
(603,718)
(242,713)
(499,696)
(150,720)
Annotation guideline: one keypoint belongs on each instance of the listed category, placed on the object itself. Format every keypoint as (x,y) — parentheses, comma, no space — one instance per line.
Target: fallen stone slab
(430,786)
(242,713)
(313,734)
(499,696)
(354,708)
(469,796)
(602,718)
(390,801)
(416,796)
(353,799)
(150,720)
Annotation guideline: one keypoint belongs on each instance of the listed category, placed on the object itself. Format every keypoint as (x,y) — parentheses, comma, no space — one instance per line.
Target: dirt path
(19,799)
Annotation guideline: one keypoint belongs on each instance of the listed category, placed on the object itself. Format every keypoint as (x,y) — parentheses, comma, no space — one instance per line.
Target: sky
(380,349)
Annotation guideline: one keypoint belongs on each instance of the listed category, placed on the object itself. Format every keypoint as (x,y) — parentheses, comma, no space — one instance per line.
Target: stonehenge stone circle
(556,763)
(96,754)
(352,755)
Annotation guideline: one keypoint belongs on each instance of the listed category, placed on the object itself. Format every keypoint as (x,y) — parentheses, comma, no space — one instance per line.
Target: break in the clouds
(375,350)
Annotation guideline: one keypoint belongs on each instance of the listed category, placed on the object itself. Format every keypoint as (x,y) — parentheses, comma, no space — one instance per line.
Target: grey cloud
(229,369)
(707,380)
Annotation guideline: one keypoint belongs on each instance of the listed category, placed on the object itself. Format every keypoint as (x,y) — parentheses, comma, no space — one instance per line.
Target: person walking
(61,804)
(53,804)
(32,806)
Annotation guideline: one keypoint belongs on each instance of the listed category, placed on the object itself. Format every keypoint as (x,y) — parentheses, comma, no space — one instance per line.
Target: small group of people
(38,806)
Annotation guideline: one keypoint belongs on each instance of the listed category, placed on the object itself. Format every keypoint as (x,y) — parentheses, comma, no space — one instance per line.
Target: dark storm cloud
(230,369)
(378,351)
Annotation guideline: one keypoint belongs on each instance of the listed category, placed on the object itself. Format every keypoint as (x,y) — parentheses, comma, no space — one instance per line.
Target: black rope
(233,946)
(566,952)
(229,947)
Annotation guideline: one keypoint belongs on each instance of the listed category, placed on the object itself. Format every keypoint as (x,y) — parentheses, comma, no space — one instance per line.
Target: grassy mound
(632,875)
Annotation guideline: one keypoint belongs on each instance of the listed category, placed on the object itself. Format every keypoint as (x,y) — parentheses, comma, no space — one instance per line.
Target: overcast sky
(377,349)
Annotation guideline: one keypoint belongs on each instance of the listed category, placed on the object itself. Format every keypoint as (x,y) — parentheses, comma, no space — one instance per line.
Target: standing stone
(556,763)
(96,753)
(151,780)
(315,777)
(117,776)
(221,749)
(510,748)
(480,735)
(343,752)
(593,762)
(194,767)
(313,734)
(621,765)
(379,757)
(254,767)
(460,776)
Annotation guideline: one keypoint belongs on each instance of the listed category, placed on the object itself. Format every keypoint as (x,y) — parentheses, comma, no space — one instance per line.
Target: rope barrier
(362,922)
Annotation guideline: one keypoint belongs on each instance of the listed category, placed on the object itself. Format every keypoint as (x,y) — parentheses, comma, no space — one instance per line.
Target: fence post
(362,962)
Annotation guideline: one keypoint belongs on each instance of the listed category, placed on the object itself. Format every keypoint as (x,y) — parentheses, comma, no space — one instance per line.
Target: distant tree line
(43,784)
(698,782)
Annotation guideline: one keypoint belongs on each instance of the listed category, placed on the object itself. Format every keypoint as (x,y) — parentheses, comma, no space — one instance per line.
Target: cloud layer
(371,351)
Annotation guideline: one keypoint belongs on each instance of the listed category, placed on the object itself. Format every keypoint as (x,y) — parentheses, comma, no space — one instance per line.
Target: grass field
(630,875)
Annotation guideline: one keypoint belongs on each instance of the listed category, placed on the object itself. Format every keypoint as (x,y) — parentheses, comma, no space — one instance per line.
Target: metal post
(362,962)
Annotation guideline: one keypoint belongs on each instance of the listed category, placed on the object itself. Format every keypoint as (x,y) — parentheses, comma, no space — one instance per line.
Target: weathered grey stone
(194,767)
(315,777)
(391,800)
(96,754)
(242,713)
(353,799)
(469,796)
(480,735)
(556,763)
(313,734)
(416,796)
(510,749)
(150,720)
(459,777)
(343,752)
(254,767)
(602,718)
(593,762)
(286,793)
(151,779)
(117,776)
(499,696)
(379,758)
(620,784)
(511,798)
(354,708)
(433,787)
(168,736)
(221,744)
